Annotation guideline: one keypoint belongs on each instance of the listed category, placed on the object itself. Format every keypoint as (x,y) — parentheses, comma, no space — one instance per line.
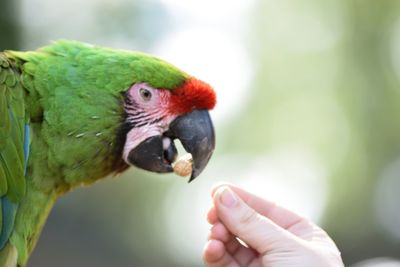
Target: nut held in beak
(184,165)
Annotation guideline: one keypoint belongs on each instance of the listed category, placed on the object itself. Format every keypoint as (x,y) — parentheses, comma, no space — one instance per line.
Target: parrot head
(155,117)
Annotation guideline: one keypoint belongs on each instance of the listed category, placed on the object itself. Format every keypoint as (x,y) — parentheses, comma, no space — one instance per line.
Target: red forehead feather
(192,94)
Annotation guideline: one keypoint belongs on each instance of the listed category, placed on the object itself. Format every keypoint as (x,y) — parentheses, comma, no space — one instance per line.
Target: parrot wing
(14,146)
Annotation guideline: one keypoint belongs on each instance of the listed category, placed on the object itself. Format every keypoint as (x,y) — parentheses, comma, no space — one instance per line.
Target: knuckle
(248,217)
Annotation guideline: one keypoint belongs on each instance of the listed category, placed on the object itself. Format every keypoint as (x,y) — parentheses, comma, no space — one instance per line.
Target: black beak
(196,133)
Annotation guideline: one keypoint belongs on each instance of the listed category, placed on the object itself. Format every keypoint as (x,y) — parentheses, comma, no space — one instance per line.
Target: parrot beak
(196,133)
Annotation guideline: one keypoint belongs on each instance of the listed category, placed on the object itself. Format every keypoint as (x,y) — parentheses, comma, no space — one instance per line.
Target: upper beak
(196,133)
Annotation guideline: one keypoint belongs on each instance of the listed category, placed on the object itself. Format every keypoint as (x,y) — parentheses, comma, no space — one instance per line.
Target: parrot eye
(145,94)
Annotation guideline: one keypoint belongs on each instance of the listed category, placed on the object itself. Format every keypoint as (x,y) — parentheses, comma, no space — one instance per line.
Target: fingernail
(227,197)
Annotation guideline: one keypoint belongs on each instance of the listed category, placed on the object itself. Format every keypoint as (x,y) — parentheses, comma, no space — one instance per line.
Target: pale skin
(273,236)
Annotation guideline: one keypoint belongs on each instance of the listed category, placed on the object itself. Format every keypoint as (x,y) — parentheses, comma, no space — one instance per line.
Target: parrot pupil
(145,94)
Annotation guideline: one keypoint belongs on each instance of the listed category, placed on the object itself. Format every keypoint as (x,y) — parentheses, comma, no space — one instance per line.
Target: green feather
(3,183)
(5,126)
(13,168)
(10,80)
(3,76)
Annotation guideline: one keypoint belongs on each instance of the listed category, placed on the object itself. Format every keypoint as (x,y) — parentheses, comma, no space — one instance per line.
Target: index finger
(279,215)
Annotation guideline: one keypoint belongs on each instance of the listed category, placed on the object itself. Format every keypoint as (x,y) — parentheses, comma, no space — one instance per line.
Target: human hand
(275,236)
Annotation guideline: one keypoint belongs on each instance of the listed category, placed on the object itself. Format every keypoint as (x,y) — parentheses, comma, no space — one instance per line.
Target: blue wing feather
(9,210)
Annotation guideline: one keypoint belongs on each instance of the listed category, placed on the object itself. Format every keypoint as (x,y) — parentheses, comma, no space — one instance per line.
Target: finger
(212,217)
(243,255)
(257,231)
(215,255)
(279,215)
(219,232)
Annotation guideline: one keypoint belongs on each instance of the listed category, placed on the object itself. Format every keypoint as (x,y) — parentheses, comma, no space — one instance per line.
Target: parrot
(72,113)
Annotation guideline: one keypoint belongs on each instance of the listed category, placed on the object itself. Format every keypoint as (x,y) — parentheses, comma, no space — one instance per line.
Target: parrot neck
(31,216)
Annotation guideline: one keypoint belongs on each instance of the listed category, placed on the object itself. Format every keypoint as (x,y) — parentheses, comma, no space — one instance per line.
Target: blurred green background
(309,98)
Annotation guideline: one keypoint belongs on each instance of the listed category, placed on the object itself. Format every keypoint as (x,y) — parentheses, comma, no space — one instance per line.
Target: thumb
(255,230)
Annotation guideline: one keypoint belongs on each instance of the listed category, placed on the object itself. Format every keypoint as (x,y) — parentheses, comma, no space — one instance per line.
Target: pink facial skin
(148,113)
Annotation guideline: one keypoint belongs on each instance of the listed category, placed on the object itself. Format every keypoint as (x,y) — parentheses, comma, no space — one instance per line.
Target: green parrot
(72,113)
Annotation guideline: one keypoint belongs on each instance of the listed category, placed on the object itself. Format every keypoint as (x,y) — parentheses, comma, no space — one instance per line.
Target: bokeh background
(308,116)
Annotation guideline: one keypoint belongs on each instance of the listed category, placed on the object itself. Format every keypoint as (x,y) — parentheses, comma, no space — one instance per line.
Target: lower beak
(196,133)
